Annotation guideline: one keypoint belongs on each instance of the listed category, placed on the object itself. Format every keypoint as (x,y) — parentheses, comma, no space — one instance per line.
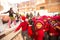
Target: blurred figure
(39,33)
(38,16)
(53,33)
(46,27)
(31,29)
(24,25)
(31,15)
(57,17)
(27,16)
(11,12)
(17,17)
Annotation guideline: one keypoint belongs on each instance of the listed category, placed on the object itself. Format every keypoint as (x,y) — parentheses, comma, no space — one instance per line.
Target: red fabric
(46,26)
(39,32)
(39,35)
(44,17)
(53,31)
(58,29)
(23,17)
(24,26)
(57,17)
(34,19)
(29,31)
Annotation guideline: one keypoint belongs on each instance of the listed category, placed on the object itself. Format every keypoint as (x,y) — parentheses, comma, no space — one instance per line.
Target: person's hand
(58,27)
(44,30)
(51,34)
(1,13)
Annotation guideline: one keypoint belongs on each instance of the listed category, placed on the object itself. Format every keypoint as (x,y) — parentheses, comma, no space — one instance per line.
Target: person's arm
(58,27)
(18,27)
(5,12)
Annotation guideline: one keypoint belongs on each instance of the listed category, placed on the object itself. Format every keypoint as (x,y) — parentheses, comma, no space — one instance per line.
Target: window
(42,7)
